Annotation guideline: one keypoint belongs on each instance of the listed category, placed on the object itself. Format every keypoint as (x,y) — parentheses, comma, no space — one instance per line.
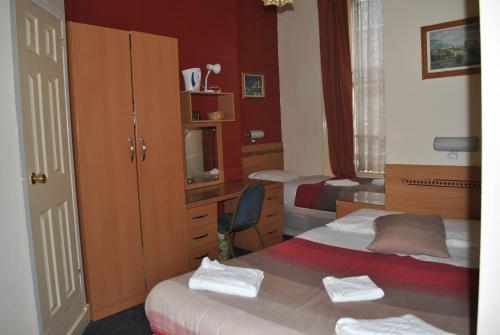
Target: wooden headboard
(449,191)
(266,156)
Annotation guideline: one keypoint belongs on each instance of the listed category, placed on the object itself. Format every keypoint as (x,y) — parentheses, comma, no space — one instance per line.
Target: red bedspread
(323,197)
(395,271)
(292,299)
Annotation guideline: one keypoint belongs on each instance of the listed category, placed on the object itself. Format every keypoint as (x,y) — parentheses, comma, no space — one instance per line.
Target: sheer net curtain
(368,85)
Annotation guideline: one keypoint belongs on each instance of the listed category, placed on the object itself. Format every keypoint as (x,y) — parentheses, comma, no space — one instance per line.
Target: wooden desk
(201,218)
(221,192)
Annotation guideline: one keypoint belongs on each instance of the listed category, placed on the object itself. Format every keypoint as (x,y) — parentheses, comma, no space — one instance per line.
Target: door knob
(38,178)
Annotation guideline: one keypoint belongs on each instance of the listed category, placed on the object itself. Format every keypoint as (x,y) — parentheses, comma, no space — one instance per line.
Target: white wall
(489,293)
(418,110)
(17,303)
(305,149)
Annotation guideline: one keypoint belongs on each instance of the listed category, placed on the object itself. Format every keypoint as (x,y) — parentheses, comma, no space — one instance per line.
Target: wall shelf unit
(203,103)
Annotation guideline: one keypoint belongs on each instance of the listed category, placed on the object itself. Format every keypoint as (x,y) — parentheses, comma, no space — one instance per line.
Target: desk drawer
(271,209)
(201,215)
(274,194)
(196,255)
(202,235)
(271,230)
(273,241)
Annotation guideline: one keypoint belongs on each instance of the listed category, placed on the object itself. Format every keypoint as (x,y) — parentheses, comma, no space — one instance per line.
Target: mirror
(203,156)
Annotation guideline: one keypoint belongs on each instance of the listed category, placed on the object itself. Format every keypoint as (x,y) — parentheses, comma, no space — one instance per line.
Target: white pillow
(459,233)
(273,175)
(462,233)
(360,221)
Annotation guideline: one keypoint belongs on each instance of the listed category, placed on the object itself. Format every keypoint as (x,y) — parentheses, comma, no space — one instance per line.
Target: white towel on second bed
(341,182)
(402,325)
(216,277)
(360,288)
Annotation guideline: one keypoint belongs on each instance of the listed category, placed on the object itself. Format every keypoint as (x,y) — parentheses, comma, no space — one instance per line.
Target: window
(368,86)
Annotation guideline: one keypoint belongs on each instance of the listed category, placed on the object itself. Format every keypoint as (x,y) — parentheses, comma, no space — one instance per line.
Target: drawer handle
(271,198)
(272,232)
(271,215)
(200,237)
(200,216)
(202,256)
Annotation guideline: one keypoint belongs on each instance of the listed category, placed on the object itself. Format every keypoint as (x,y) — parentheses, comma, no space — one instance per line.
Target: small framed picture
(252,85)
(451,49)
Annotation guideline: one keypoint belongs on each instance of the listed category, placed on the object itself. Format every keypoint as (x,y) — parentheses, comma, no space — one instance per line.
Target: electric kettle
(192,79)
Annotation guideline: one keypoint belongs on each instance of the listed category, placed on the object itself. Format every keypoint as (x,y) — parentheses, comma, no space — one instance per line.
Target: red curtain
(337,84)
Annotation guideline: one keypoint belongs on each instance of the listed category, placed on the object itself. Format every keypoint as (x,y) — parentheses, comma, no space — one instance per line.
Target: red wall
(258,53)
(208,32)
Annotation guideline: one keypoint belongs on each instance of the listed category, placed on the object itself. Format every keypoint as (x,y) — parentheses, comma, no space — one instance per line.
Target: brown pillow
(410,234)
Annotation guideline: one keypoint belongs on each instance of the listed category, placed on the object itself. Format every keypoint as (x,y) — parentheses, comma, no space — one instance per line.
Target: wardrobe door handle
(144,148)
(132,149)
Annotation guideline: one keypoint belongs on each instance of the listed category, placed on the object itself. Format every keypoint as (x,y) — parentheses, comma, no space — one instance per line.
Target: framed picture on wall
(451,49)
(252,85)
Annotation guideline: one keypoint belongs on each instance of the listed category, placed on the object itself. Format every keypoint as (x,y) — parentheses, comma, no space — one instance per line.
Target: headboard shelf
(443,183)
(448,191)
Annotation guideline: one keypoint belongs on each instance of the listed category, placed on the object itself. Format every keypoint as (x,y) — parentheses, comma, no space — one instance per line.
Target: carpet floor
(132,321)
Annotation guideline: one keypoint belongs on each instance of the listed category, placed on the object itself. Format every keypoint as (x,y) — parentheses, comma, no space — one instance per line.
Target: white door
(48,156)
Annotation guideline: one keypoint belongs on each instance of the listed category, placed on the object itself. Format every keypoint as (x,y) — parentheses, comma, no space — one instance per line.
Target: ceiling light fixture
(278,3)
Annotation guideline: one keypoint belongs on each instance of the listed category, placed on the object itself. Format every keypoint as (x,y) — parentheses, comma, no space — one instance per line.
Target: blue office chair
(247,214)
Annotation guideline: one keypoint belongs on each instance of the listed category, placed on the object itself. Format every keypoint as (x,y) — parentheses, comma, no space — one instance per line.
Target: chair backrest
(249,207)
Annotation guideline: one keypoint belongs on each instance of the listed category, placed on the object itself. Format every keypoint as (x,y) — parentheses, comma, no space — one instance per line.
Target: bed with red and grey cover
(292,299)
(310,203)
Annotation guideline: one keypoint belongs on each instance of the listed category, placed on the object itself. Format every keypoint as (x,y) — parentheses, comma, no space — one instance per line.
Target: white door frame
(60,15)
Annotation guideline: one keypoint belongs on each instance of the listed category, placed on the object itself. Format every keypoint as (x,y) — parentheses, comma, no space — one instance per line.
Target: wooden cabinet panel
(271,209)
(101,107)
(274,194)
(270,224)
(202,235)
(201,215)
(274,241)
(160,163)
(271,230)
(196,255)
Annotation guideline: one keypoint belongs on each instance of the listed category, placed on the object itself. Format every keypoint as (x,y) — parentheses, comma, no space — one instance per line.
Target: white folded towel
(402,325)
(360,288)
(341,182)
(216,277)
(378,181)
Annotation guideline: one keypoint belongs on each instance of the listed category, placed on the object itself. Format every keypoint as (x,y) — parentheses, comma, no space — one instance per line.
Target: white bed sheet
(460,256)
(290,187)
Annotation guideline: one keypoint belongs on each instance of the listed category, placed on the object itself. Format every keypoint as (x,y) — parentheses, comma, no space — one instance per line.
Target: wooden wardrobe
(127,138)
